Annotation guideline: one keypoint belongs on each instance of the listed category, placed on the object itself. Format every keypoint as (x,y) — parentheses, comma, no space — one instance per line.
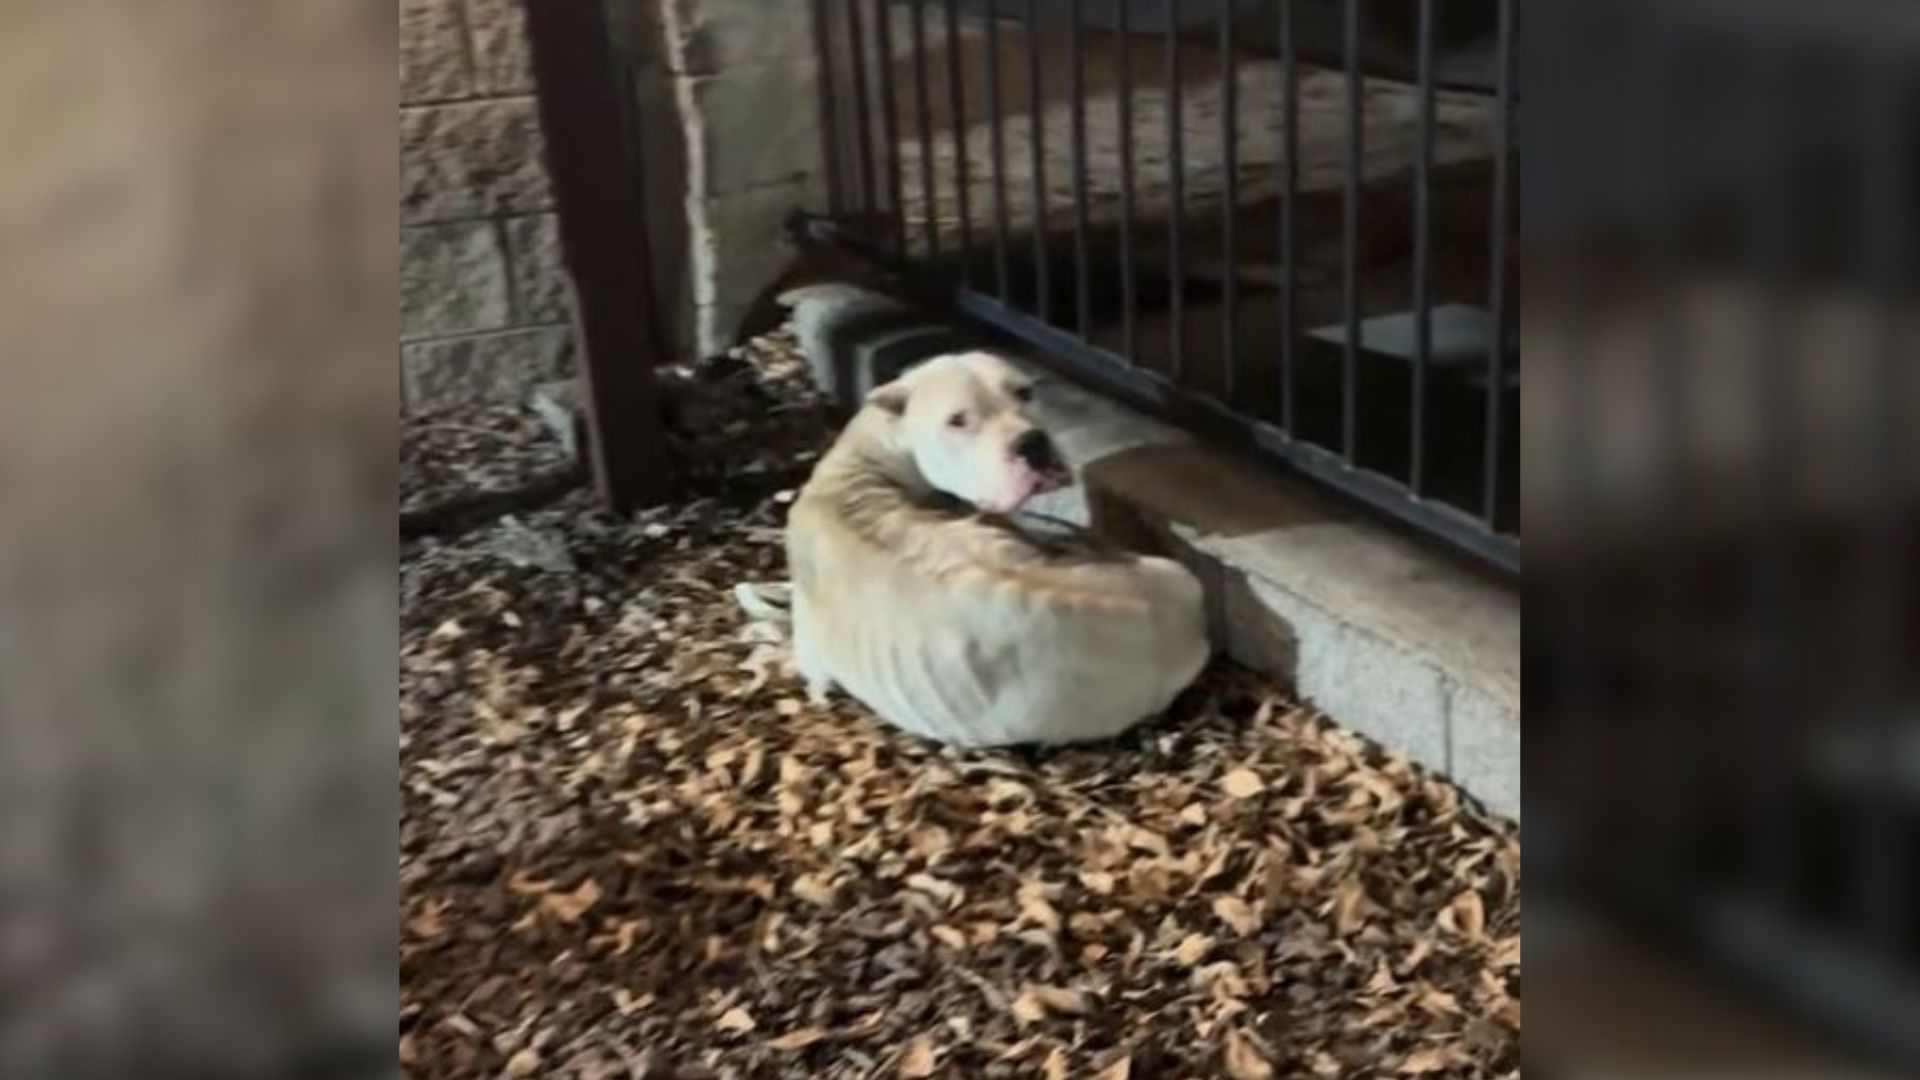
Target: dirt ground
(629,847)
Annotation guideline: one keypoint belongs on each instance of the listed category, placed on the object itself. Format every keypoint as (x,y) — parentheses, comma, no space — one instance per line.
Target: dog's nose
(1033,447)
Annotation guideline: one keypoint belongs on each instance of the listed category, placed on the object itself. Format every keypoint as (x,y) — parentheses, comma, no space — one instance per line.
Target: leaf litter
(632,847)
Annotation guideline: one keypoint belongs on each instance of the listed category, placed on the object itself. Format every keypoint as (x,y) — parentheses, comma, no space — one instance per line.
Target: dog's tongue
(1031,483)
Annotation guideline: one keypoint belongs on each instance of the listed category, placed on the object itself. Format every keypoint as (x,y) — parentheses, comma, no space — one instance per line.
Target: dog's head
(966,419)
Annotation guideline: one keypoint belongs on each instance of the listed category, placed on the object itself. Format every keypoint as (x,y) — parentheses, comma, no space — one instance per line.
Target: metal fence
(1289,224)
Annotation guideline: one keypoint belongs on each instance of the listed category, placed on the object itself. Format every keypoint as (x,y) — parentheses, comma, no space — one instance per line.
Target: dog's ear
(891,397)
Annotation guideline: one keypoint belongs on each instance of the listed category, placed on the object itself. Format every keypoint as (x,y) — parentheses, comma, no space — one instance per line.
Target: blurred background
(1723,749)
(197,635)
(197,416)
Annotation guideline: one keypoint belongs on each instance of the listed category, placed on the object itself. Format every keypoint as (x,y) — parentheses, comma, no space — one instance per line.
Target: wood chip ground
(629,847)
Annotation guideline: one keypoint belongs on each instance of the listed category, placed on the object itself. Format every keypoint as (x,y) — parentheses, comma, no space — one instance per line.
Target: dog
(916,591)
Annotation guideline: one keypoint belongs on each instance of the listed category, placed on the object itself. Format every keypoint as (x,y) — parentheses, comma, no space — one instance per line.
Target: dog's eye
(957,420)
(1023,392)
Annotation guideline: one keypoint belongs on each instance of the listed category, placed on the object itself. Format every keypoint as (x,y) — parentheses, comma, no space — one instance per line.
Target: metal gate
(1288,224)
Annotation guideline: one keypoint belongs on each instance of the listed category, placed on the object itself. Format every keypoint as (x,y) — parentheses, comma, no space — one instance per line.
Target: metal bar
(930,203)
(957,106)
(1422,254)
(829,108)
(1290,119)
(1128,282)
(890,123)
(597,184)
(1230,161)
(1036,140)
(862,108)
(1083,302)
(1497,282)
(1176,208)
(998,149)
(1350,237)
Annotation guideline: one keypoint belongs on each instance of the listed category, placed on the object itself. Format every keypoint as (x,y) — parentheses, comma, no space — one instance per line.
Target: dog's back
(965,631)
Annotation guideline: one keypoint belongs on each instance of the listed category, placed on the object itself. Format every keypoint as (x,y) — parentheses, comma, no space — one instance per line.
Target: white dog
(915,593)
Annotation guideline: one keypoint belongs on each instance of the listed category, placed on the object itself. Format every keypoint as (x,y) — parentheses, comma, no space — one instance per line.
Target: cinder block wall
(742,78)
(483,300)
(725,92)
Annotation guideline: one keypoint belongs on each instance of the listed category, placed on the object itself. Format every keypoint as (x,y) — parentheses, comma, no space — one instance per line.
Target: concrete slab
(1390,639)
(1484,754)
(1461,334)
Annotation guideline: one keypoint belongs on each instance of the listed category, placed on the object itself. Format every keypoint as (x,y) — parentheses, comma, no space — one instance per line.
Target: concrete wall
(483,300)
(741,79)
(725,96)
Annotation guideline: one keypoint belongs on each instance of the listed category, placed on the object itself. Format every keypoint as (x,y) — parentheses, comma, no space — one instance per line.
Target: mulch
(630,847)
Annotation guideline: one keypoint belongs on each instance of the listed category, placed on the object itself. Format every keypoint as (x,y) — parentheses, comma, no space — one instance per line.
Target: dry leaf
(798,1039)
(1036,1002)
(1224,980)
(1347,907)
(1427,1059)
(1036,910)
(735,1019)
(814,889)
(1382,981)
(1469,914)
(1437,1001)
(1483,1036)
(1242,784)
(1237,914)
(945,891)
(1243,1061)
(427,923)
(569,907)
(920,1059)
(627,1004)
(1192,949)
(1121,1069)
(1060,999)
(1420,951)
(1097,881)
(1055,1067)
(523,1064)
(1148,841)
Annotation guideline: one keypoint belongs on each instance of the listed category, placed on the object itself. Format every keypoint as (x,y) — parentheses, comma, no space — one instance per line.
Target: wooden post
(585,114)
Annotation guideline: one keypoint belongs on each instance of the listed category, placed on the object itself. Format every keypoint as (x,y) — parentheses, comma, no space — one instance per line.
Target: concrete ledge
(1390,639)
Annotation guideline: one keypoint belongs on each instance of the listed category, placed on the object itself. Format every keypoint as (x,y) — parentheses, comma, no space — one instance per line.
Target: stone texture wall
(742,79)
(725,97)
(483,298)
